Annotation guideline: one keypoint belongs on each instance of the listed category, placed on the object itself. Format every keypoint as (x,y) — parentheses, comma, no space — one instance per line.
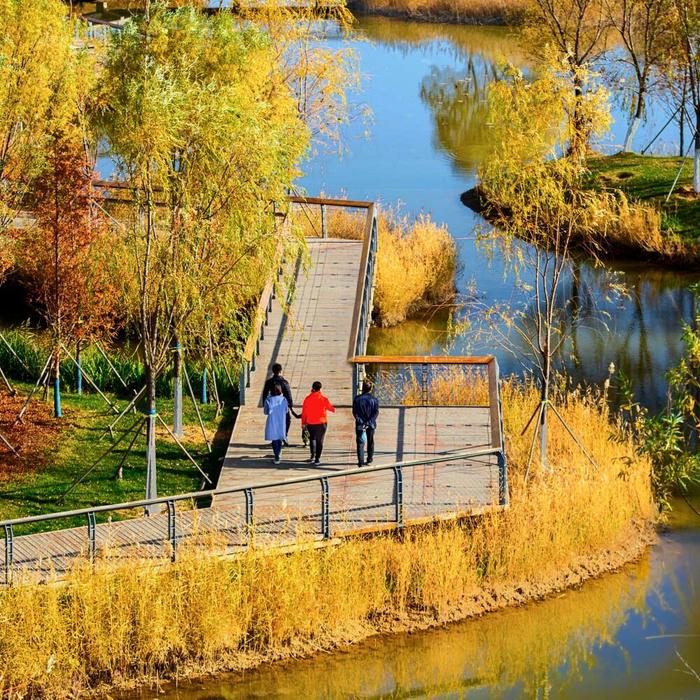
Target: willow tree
(686,26)
(543,215)
(569,33)
(207,136)
(645,33)
(35,47)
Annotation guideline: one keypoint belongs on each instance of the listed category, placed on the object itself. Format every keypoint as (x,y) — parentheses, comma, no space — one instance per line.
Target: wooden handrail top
(423,359)
(350,203)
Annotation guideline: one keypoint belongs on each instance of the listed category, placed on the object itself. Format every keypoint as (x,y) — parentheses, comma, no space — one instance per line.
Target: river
(633,634)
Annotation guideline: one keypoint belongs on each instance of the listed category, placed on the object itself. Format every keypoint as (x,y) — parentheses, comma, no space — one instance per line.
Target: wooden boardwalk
(311,343)
(431,461)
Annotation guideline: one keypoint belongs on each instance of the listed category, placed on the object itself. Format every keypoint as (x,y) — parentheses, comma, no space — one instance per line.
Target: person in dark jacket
(365,410)
(278,380)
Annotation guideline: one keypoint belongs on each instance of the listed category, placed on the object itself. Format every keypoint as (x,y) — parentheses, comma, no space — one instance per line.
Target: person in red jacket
(314,417)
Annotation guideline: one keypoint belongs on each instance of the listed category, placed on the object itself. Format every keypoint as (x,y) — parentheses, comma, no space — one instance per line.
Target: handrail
(423,359)
(164,500)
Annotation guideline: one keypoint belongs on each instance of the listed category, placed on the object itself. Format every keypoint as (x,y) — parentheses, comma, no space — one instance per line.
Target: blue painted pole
(205,398)
(57,396)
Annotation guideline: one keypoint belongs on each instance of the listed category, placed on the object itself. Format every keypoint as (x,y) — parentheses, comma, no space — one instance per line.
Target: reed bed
(119,623)
(459,11)
(416,263)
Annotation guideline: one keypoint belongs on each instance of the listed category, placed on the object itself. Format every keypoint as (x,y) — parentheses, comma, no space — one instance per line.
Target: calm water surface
(426,86)
(628,635)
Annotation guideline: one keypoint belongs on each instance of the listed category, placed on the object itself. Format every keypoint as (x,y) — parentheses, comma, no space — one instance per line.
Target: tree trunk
(57,384)
(151,482)
(696,162)
(78,370)
(205,397)
(634,124)
(177,388)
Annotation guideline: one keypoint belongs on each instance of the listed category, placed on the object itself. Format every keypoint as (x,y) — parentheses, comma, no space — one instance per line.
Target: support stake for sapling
(196,407)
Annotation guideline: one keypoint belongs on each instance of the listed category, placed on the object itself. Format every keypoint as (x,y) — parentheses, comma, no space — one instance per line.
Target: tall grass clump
(118,622)
(461,11)
(416,262)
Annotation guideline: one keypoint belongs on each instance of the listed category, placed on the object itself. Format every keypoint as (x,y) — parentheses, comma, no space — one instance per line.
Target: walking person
(314,417)
(365,411)
(276,409)
(278,380)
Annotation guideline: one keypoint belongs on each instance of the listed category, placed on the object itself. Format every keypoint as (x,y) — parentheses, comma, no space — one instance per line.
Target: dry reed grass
(461,11)
(416,261)
(119,622)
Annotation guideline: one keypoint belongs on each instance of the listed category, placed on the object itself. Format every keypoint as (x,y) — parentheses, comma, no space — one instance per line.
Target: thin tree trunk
(696,161)
(57,384)
(151,480)
(205,397)
(78,369)
(177,388)
(634,124)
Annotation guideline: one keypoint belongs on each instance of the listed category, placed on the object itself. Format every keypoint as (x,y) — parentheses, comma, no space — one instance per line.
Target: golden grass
(416,261)
(121,622)
(463,11)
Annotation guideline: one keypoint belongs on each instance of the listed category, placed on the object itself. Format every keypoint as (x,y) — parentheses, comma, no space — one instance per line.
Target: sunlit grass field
(649,179)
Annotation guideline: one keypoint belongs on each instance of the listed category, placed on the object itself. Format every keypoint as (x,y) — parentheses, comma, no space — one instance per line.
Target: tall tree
(645,32)
(207,136)
(63,254)
(570,34)
(543,214)
(35,47)
(687,28)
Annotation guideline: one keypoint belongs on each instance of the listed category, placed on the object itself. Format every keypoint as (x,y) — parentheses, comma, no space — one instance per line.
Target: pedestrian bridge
(439,441)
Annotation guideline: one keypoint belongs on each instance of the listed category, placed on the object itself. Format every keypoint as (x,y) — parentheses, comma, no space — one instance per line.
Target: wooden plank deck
(311,343)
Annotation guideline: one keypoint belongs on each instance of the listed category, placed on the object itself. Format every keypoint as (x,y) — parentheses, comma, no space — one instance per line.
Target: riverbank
(648,180)
(118,625)
(638,222)
(475,12)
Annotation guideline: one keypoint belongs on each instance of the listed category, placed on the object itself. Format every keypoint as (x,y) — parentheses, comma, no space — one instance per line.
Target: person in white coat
(276,409)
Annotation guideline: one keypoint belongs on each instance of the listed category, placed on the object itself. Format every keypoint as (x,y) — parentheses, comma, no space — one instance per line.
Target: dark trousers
(289,422)
(317,434)
(361,446)
(277,448)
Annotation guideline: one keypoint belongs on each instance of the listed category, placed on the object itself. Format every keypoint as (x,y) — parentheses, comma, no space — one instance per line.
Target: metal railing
(449,382)
(318,507)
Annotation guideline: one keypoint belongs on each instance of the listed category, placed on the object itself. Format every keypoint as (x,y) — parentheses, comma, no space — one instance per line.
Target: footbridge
(439,441)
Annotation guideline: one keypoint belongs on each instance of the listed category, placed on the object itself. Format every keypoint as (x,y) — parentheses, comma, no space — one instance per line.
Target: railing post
(424,384)
(324,231)
(249,503)
(241,386)
(398,492)
(172,532)
(9,553)
(325,509)
(247,370)
(502,480)
(92,535)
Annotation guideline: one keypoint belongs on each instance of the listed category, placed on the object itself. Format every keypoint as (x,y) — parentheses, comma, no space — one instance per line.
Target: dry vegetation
(461,11)
(416,263)
(122,622)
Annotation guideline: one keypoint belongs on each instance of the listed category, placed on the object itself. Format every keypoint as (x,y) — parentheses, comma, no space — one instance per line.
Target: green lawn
(81,440)
(649,178)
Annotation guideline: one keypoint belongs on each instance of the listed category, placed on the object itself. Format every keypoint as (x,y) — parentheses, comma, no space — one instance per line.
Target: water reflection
(616,637)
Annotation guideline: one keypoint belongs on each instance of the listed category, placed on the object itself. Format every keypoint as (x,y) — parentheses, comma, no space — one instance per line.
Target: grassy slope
(649,178)
(71,451)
